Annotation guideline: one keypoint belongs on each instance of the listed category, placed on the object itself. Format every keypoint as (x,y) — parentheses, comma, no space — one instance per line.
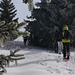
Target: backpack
(66,35)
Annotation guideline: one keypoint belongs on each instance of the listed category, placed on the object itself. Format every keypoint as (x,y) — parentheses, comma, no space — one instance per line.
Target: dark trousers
(66,50)
(25,41)
(56,47)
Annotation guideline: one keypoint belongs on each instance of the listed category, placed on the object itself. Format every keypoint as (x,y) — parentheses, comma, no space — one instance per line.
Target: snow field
(39,61)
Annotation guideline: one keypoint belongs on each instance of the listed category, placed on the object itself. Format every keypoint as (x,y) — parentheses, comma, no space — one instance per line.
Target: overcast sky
(22,9)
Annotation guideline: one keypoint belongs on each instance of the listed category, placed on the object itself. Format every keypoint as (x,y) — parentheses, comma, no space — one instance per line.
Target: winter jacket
(68,34)
(58,35)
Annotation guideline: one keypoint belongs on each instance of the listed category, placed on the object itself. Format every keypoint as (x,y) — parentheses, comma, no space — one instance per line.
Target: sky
(22,9)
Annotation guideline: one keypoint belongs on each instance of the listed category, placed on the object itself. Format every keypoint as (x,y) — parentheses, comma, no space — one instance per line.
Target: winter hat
(65,27)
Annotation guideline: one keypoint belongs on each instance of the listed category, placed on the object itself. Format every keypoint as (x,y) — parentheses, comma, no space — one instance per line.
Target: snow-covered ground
(38,61)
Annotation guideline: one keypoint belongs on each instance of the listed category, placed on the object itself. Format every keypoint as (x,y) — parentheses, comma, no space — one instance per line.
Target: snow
(38,61)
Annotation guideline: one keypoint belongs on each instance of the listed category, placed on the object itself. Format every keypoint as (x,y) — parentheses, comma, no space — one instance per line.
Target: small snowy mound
(13,45)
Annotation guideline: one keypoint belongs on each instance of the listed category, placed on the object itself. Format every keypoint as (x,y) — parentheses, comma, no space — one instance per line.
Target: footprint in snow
(43,64)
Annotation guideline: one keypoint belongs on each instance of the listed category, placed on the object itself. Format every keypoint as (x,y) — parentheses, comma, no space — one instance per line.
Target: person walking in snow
(59,41)
(66,39)
(25,38)
(58,38)
(55,38)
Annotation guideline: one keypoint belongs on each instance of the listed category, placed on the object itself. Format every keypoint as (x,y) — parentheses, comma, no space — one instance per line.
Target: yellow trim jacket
(65,40)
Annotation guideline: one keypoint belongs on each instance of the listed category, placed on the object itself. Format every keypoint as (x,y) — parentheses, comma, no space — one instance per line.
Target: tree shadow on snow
(38,62)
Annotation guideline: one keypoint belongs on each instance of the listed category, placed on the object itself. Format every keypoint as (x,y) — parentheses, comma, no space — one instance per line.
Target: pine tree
(47,16)
(8,25)
(5,60)
(10,31)
(41,27)
(7,10)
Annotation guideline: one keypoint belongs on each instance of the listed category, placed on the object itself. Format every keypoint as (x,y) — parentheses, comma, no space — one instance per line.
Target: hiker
(25,38)
(66,39)
(59,41)
(55,45)
(58,37)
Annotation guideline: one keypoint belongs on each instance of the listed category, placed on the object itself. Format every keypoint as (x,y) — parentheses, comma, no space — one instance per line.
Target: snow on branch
(48,1)
(5,60)
(31,5)
(9,31)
